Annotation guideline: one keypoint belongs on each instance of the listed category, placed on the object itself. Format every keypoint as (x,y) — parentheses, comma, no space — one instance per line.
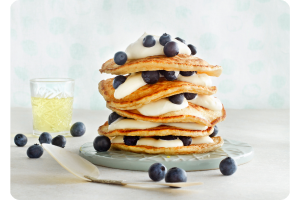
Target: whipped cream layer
(197,79)
(136,50)
(207,101)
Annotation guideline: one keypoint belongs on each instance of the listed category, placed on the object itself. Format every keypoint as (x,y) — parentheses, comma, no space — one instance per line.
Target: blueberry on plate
(228,166)
(177,98)
(193,49)
(175,175)
(20,140)
(113,117)
(149,41)
(181,40)
(171,49)
(118,80)
(35,151)
(102,143)
(120,58)
(150,77)
(45,138)
(187,73)
(190,96)
(157,171)
(59,141)
(168,137)
(78,129)
(164,39)
(216,130)
(131,140)
(187,141)
(170,75)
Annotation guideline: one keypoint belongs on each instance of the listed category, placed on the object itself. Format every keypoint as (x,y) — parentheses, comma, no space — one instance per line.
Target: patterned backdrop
(72,38)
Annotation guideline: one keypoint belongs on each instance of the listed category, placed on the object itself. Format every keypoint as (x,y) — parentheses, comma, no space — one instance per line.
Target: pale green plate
(241,152)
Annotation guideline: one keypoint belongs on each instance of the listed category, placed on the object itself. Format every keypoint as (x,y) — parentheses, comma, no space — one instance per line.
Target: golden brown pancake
(157,131)
(199,148)
(150,92)
(181,62)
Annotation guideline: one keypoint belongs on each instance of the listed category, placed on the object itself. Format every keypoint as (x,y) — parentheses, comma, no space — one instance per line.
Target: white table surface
(265,177)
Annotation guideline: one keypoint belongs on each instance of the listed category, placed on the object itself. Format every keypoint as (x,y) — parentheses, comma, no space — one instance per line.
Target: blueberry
(131,140)
(45,138)
(228,166)
(157,171)
(20,140)
(171,49)
(149,41)
(165,38)
(118,80)
(187,73)
(35,151)
(59,141)
(161,72)
(113,117)
(170,75)
(187,141)
(150,77)
(177,98)
(168,137)
(175,175)
(216,130)
(181,40)
(101,143)
(120,58)
(78,129)
(190,96)
(193,49)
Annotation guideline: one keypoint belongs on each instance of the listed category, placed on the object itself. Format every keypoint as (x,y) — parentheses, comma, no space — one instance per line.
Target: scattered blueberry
(120,58)
(35,151)
(175,175)
(20,140)
(118,80)
(161,72)
(45,138)
(170,75)
(165,38)
(59,141)
(168,137)
(113,117)
(187,73)
(216,130)
(78,129)
(150,77)
(181,40)
(131,140)
(177,98)
(149,41)
(193,49)
(187,141)
(190,96)
(171,49)
(101,143)
(228,166)
(157,171)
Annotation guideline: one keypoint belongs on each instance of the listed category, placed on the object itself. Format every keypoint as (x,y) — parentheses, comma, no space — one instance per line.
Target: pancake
(150,92)
(181,62)
(192,113)
(157,131)
(199,148)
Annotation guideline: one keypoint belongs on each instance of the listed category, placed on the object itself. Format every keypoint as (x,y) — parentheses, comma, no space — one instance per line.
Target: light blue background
(73,38)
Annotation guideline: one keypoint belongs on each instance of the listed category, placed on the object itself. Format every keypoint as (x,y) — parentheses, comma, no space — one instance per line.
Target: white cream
(159,143)
(132,83)
(161,107)
(197,79)
(118,139)
(207,101)
(136,50)
(202,140)
(187,125)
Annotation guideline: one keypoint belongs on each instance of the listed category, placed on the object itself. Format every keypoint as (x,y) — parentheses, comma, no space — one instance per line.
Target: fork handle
(105,181)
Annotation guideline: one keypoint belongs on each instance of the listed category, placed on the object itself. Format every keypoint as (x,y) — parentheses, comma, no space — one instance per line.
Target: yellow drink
(52,115)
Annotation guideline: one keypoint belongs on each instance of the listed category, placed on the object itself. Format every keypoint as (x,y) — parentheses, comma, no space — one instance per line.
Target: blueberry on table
(228,166)
(118,80)
(157,171)
(77,129)
(190,96)
(193,49)
(164,39)
(131,140)
(59,141)
(120,58)
(181,40)
(171,49)
(149,41)
(102,143)
(216,130)
(187,141)
(35,151)
(175,175)
(168,137)
(170,75)
(113,117)
(177,98)
(187,73)
(20,140)
(45,138)
(150,77)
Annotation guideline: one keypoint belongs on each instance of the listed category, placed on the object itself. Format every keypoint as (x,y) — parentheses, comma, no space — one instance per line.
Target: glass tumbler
(52,105)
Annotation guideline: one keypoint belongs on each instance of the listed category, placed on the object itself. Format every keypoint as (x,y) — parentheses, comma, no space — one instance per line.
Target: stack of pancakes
(127,107)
